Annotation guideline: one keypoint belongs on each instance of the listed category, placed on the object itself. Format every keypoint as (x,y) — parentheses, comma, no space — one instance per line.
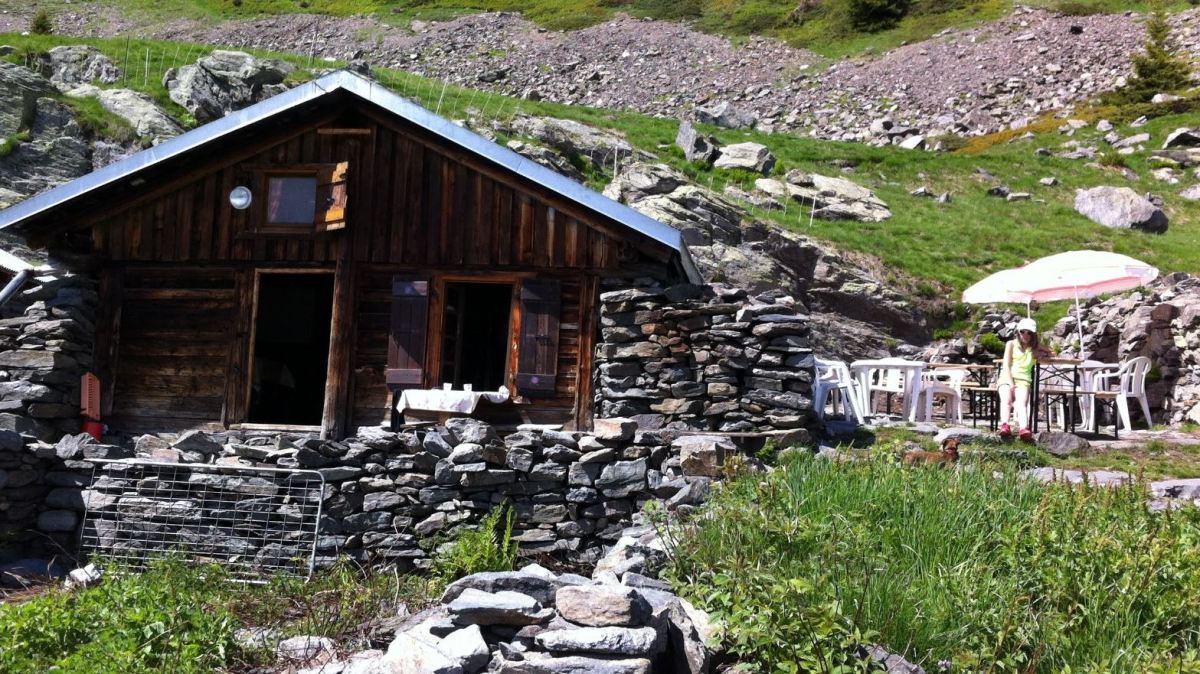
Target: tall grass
(977,573)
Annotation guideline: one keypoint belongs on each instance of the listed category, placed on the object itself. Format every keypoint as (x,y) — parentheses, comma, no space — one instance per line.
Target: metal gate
(256,522)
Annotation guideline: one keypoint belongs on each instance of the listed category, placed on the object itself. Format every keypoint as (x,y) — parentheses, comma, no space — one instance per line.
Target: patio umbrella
(1070,275)
(1082,273)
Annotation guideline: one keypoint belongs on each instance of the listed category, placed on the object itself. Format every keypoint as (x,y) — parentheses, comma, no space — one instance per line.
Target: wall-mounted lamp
(240,197)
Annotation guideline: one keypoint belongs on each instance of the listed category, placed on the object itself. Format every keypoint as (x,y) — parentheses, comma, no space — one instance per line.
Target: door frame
(248,376)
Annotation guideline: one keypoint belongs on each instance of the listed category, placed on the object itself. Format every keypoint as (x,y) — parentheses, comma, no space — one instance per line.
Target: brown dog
(948,455)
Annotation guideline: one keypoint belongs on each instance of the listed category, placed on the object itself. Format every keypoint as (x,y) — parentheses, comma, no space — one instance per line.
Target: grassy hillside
(827,27)
(945,247)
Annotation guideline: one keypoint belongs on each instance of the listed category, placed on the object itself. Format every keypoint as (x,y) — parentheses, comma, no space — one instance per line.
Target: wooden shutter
(331,197)
(406,339)
(537,357)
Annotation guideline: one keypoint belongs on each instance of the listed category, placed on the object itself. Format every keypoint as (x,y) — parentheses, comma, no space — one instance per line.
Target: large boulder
(1120,208)
(602,147)
(56,152)
(746,157)
(20,88)
(724,114)
(224,81)
(142,113)
(69,65)
(836,198)
(548,157)
(666,195)
(695,145)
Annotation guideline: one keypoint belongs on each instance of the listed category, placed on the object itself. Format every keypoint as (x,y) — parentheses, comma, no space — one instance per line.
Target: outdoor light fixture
(240,197)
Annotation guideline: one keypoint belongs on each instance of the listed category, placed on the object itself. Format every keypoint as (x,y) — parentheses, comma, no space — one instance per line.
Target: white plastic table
(912,370)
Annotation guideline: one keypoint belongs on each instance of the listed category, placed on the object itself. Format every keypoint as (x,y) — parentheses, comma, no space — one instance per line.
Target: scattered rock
(747,157)
(1120,208)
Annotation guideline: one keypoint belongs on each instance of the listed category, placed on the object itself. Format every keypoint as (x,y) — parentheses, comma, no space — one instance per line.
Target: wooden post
(108,329)
(341,330)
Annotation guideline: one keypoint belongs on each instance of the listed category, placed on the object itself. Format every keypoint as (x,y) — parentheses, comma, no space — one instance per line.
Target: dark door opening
(475,334)
(291,348)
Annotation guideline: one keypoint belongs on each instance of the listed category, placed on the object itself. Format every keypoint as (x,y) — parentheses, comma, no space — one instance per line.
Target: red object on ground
(93,428)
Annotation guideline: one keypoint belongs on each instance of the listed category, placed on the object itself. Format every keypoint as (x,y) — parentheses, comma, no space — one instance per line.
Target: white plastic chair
(948,384)
(889,381)
(834,385)
(1127,381)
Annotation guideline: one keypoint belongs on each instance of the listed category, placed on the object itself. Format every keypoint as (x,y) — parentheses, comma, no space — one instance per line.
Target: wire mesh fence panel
(256,522)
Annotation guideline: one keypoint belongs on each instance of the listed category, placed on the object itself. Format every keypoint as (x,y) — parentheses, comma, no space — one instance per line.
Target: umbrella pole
(1079,322)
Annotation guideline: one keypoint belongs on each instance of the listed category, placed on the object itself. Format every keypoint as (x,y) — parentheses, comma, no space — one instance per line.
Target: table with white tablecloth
(450,401)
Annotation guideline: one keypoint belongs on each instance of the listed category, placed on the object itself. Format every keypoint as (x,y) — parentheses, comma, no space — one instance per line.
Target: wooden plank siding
(180,265)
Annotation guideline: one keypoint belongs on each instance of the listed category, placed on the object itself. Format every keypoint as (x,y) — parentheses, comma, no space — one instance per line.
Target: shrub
(1157,69)
(12,142)
(41,23)
(871,15)
(992,343)
(487,547)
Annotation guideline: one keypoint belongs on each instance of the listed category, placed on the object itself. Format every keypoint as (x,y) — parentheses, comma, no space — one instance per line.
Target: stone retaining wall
(703,358)
(389,497)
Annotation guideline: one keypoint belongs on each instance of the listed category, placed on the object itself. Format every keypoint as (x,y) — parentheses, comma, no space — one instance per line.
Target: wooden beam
(341,346)
(108,330)
(588,296)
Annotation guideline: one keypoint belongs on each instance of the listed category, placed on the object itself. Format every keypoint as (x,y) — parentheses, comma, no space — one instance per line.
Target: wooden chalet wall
(179,267)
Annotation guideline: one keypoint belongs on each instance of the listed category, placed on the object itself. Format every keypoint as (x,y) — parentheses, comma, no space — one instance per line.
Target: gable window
(291,200)
(303,198)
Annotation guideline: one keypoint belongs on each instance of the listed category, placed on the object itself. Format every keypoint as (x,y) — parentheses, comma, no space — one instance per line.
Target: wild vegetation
(183,618)
(959,570)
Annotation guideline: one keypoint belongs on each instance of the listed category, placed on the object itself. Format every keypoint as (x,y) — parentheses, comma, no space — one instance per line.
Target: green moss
(12,142)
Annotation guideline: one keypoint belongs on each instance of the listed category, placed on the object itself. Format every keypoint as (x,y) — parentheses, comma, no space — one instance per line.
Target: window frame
(261,180)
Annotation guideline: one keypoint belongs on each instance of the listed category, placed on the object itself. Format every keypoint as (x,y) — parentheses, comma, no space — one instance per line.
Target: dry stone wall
(703,357)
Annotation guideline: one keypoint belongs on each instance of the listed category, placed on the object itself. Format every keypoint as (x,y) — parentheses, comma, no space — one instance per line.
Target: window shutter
(406,341)
(537,357)
(331,197)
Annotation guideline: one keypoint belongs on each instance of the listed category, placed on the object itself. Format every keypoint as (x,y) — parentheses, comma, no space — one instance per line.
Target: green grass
(11,143)
(990,575)
(937,249)
(182,619)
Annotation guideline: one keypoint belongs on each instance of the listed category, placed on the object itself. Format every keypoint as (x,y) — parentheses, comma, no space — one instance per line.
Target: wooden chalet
(297,263)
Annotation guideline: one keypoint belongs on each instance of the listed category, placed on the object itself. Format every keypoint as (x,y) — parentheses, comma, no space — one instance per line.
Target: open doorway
(291,348)
(475,334)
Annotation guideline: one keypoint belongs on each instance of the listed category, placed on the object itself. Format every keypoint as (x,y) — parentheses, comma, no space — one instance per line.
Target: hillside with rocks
(971,81)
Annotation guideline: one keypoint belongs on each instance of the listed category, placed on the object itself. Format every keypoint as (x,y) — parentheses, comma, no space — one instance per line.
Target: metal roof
(380,95)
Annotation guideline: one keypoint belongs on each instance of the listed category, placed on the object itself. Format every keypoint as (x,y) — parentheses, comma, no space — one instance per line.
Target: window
(304,198)
(291,200)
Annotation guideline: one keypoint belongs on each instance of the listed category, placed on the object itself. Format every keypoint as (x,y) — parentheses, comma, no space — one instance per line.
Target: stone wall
(44,350)
(390,497)
(703,358)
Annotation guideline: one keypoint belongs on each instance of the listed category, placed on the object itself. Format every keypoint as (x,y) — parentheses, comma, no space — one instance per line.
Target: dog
(947,456)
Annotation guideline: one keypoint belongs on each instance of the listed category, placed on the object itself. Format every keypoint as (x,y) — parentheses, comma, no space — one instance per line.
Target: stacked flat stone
(703,358)
(534,621)
(43,353)
(392,497)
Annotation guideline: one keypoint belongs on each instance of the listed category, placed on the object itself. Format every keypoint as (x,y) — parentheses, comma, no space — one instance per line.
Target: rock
(602,147)
(303,648)
(409,655)
(1061,444)
(473,607)
(837,198)
(1018,196)
(466,429)
(548,157)
(197,441)
(467,647)
(1191,193)
(702,455)
(725,115)
(20,88)
(1160,98)
(84,577)
(1049,181)
(79,64)
(57,520)
(602,605)
(222,82)
(747,157)
(915,142)
(616,429)
(539,587)
(142,113)
(537,663)
(892,663)
(1184,137)
(696,146)
(622,479)
(963,434)
(602,640)
(1120,208)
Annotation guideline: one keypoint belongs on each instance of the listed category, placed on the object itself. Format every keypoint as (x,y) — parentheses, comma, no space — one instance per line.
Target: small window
(291,200)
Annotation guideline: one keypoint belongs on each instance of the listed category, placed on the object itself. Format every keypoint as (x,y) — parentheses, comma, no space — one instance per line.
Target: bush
(41,23)
(487,547)
(1157,69)
(872,15)
(992,343)
(805,564)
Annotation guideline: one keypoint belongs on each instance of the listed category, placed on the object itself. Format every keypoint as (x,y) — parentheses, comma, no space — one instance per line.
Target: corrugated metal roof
(373,92)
